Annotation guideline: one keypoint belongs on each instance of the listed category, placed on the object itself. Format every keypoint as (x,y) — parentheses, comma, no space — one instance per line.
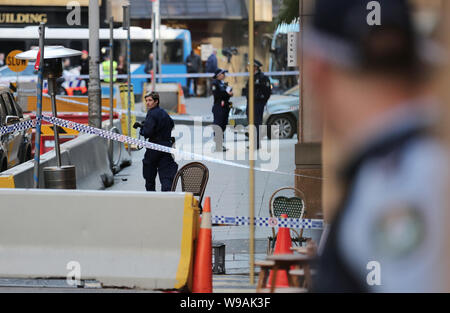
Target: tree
(288,12)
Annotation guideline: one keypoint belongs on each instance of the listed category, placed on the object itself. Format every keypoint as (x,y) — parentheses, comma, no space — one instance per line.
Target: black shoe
(221,150)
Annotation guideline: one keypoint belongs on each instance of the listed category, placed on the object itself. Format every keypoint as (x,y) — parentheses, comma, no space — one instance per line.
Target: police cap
(218,72)
(367,35)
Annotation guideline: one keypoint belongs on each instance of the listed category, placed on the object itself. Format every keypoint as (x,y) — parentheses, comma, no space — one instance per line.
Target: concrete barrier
(88,153)
(121,239)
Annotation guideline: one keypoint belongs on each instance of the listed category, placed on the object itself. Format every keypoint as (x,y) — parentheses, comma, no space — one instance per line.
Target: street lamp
(59,177)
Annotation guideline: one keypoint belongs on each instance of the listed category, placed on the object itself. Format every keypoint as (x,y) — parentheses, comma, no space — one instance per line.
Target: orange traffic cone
(203,255)
(181,104)
(282,246)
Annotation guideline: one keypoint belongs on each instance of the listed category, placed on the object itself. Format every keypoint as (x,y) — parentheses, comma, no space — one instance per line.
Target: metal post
(158,27)
(111,71)
(128,74)
(154,47)
(37,143)
(94,91)
(251,40)
(52,92)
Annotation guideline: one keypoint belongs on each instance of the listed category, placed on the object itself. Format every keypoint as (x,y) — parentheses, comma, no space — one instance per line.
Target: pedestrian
(368,82)
(193,64)
(106,69)
(211,67)
(148,68)
(84,67)
(122,68)
(2,59)
(157,128)
(262,94)
(221,107)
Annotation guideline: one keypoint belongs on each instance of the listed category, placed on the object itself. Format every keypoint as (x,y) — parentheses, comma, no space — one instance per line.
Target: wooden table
(285,262)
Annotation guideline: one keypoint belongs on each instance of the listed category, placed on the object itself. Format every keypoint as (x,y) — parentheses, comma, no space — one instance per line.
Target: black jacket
(157,127)
(262,88)
(221,96)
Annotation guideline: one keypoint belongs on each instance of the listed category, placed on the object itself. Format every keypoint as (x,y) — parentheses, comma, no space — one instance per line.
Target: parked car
(281,111)
(15,147)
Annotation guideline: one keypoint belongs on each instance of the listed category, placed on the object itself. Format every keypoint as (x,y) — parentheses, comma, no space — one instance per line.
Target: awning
(191,9)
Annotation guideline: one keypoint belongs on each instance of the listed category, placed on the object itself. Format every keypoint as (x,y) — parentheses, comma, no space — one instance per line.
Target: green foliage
(288,12)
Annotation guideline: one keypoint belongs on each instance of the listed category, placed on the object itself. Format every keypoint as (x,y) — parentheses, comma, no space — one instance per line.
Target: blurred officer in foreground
(157,128)
(370,84)
(221,107)
(262,95)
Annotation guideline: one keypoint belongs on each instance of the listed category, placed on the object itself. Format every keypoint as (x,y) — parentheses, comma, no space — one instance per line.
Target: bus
(176,46)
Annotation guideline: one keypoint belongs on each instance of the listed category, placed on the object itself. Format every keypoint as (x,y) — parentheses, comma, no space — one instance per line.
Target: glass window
(172,51)
(2,112)
(10,109)
(140,50)
(17,107)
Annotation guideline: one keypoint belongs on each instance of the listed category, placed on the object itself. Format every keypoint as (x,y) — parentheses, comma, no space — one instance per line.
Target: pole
(111,71)
(158,21)
(128,74)
(251,41)
(154,47)
(94,91)
(37,143)
(52,91)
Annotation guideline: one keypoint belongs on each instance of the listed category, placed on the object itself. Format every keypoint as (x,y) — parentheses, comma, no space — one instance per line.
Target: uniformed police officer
(157,128)
(262,95)
(367,74)
(221,107)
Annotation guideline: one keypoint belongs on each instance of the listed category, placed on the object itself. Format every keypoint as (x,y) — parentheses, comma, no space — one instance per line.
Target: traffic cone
(282,246)
(203,255)
(181,104)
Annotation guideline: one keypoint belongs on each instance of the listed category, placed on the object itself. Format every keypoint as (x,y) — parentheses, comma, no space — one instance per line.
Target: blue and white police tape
(196,75)
(136,113)
(268,222)
(133,141)
(149,145)
(17,127)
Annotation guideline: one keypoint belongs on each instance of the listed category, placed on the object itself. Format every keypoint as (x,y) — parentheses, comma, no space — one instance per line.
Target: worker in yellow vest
(106,69)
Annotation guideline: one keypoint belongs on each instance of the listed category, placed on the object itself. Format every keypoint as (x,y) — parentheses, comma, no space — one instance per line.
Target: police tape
(133,141)
(268,222)
(196,75)
(17,127)
(59,98)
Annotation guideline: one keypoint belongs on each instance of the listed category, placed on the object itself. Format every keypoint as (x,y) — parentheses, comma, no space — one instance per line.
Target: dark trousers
(220,120)
(259,112)
(161,163)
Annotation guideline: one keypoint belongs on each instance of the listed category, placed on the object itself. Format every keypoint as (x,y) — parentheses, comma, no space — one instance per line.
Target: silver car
(15,147)
(281,111)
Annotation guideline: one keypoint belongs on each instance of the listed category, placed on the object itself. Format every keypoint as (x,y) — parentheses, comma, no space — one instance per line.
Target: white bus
(176,46)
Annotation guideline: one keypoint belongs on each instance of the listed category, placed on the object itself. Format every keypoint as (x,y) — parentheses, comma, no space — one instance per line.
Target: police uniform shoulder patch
(399,232)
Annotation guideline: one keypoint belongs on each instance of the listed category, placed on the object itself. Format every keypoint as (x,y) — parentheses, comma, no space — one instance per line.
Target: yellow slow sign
(14,64)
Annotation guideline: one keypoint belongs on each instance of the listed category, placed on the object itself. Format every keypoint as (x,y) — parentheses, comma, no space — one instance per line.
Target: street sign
(206,50)
(292,49)
(14,64)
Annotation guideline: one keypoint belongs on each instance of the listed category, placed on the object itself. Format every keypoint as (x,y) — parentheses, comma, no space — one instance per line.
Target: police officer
(221,107)
(157,128)
(262,95)
(367,76)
